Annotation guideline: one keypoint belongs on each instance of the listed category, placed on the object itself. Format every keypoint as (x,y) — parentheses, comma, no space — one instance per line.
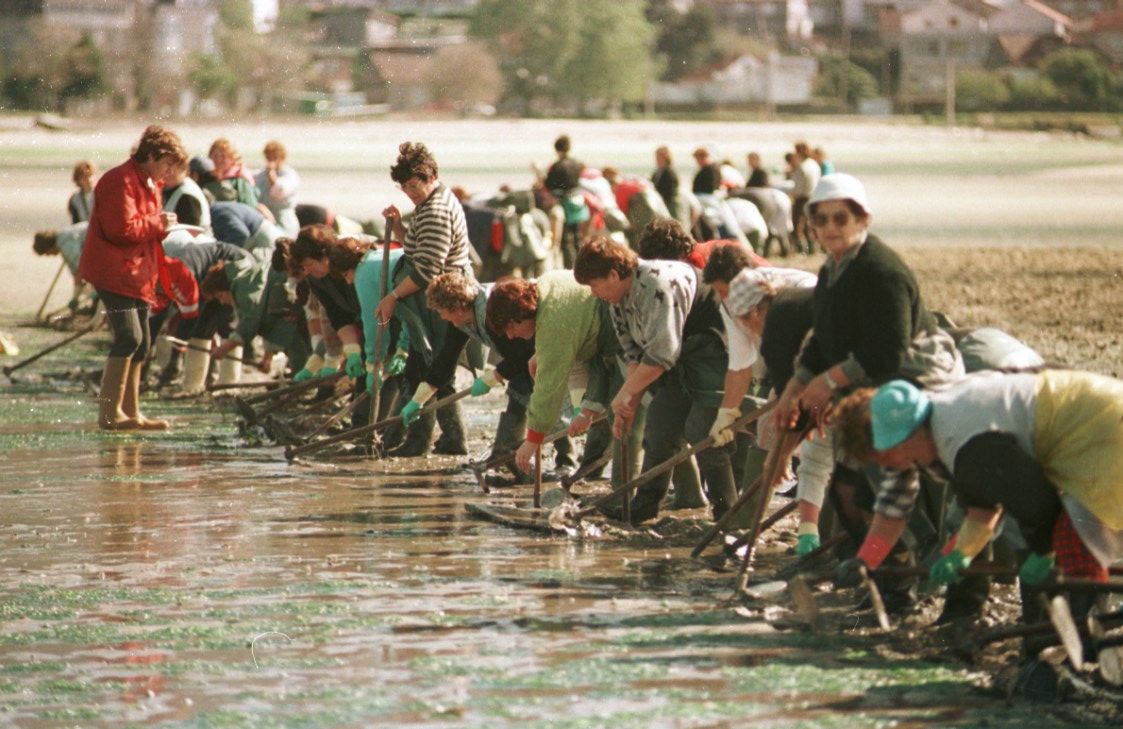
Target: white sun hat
(840,186)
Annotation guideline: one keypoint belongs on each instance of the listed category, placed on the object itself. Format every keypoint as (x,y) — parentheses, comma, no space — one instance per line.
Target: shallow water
(187,579)
(182,578)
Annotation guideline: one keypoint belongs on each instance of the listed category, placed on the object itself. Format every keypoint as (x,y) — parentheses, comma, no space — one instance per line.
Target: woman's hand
(581,422)
(532,366)
(385,309)
(393,218)
(623,412)
(817,398)
(786,414)
(524,454)
(168,219)
(218,351)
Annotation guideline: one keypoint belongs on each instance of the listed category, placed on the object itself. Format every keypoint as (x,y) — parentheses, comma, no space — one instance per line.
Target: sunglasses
(840,219)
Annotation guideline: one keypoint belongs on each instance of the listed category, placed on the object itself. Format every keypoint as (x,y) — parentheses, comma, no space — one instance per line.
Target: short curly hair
(345,254)
(275,150)
(599,255)
(451,291)
(665,239)
(85,169)
(511,302)
(313,241)
(414,160)
(157,142)
(224,145)
(853,426)
(725,262)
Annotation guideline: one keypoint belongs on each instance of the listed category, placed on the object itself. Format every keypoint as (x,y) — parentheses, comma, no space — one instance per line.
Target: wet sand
(185,577)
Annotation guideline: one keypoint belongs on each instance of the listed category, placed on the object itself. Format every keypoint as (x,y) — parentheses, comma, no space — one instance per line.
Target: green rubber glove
(410,413)
(479,387)
(946,570)
(304,374)
(327,371)
(72,304)
(354,365)
(807,543)
(1037,568)
(396,365)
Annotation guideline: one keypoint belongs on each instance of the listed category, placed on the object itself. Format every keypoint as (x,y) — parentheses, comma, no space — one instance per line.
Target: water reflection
(135,575)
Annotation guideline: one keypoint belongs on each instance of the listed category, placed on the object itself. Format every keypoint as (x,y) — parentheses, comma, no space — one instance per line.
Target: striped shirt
(437,241)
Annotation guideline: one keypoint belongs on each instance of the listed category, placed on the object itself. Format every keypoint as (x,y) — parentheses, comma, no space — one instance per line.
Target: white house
(773,80)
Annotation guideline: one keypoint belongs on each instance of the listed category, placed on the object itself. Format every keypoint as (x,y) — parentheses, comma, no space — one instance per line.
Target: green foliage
(1035,93)
(1081,77)
(838,76)
(978,89)
(366,78)
(685,42)
(209,77)
(612,61)
(569,52)
(236,14)
(83,71)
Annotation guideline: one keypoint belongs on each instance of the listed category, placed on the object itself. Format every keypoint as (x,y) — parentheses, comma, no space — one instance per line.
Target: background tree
(447,80)
(263,66)
(535,41)
(837,74)
(368,79)
(613,59)
(1081,77)
(685,42)
(83,71)
(38,71)
(1034,93)
(567,53)
(209,77)
(979,90)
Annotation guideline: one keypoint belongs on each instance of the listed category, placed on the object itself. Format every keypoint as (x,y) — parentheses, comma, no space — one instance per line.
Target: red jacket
(123,252)
(702,251)
(185,290)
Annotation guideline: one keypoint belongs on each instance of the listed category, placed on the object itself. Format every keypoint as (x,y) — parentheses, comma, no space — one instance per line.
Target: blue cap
(896,410)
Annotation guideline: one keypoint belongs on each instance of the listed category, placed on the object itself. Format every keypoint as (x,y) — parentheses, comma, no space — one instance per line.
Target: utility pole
(949,88)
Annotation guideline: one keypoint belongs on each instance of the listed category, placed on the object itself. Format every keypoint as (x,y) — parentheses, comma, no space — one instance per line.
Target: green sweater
(565,331)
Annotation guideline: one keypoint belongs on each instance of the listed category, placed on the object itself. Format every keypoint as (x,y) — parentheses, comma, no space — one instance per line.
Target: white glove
(720,430)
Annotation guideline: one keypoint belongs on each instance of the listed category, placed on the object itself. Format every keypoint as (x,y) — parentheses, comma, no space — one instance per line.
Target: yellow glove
(720,430)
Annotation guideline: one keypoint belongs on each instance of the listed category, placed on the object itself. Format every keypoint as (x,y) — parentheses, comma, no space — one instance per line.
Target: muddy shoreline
(189,579)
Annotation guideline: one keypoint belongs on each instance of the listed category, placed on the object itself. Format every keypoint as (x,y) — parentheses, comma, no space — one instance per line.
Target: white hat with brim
(839,186)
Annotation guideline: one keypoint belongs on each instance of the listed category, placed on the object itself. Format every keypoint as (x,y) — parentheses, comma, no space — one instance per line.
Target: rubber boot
(752,467)
(196,362)
(130,404)
(163,351)
(172,370)
(230,370)
(687,484)
(111,394)
(451,442)
(419,438)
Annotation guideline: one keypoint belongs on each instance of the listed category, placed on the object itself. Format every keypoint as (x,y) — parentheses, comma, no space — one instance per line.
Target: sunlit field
(929,186)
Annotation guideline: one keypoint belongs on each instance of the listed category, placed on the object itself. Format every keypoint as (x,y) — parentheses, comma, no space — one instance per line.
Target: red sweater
(123,253)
